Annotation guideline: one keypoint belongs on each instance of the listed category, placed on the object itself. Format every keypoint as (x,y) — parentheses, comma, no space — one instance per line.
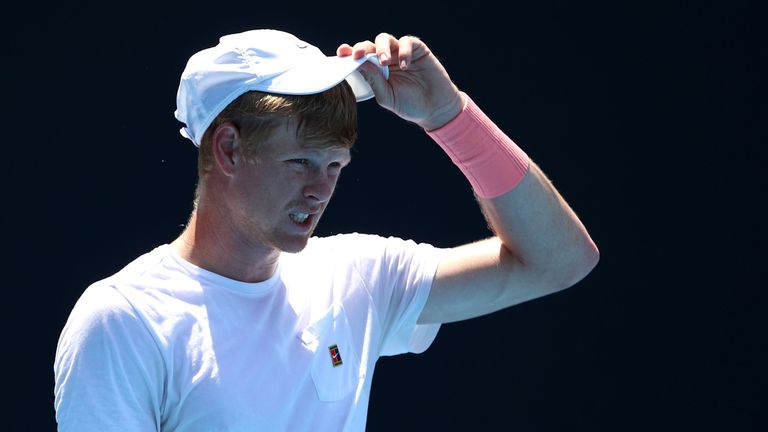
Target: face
(280,196)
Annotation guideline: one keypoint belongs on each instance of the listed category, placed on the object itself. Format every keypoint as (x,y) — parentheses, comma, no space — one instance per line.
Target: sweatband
(489,159)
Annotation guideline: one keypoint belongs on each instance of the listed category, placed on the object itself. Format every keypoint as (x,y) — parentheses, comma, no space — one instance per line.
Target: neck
(208,242)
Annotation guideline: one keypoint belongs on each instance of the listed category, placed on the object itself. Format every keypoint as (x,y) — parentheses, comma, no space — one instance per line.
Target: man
(248,322)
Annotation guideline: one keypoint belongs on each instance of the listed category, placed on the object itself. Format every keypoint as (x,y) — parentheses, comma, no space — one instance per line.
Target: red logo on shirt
(335,355)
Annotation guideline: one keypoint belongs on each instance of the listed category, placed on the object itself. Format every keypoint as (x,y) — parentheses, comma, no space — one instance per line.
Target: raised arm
(540,245)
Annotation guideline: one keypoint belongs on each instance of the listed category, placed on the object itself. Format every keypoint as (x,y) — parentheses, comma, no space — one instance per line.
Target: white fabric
(267,60)
(164,345)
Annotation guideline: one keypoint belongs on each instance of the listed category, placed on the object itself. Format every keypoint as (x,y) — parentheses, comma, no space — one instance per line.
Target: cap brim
(322,74)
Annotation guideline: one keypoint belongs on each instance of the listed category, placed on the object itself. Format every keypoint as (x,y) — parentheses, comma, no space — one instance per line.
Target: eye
(300,161)
(335,167)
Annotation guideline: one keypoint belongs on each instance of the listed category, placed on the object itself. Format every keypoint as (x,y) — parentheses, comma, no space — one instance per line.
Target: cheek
(268,190)
(334,182)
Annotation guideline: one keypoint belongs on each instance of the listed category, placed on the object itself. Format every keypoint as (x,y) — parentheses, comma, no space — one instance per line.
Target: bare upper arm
(479,278)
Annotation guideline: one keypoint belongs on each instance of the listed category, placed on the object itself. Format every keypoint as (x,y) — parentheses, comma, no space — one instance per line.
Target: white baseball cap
(267,60)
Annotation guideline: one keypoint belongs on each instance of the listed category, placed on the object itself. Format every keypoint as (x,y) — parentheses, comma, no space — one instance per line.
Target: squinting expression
(281,194)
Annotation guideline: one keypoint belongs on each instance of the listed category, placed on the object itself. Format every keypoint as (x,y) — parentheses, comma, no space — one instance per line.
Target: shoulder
(348,240)
(105,304)
(362,245)
(101,309)
(367,255)
(109,318)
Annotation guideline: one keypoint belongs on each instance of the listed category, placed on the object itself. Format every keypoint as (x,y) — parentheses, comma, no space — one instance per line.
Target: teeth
(299,217)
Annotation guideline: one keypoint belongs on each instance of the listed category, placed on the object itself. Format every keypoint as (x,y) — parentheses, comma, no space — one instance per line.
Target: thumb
(378,82)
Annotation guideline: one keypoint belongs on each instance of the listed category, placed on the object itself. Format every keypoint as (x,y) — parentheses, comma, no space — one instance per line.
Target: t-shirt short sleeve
(104,346)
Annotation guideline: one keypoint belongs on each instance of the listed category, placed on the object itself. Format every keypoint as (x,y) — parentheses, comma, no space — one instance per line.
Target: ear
(225,145)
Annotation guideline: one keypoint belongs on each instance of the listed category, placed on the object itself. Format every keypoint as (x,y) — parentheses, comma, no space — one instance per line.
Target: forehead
(284,139)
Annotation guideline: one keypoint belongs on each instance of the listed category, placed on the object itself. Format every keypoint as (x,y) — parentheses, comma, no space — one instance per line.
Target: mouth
(305,220)
(299,218)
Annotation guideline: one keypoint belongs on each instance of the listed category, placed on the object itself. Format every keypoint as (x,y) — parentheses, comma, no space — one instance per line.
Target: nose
(320,188)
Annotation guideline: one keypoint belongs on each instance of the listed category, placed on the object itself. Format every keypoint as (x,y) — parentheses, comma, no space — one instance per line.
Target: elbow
(568,266)
(578,264)
(562,268)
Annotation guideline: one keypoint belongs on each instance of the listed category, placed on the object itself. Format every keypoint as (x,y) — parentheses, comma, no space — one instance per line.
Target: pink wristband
(489,159)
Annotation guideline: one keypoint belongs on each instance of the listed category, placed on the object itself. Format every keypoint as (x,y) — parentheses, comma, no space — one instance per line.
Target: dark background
(649,117)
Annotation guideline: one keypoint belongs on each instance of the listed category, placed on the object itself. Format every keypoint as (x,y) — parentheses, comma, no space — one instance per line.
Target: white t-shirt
(164,345)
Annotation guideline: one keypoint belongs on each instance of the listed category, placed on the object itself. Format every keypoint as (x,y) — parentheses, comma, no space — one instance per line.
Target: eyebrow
(345,155)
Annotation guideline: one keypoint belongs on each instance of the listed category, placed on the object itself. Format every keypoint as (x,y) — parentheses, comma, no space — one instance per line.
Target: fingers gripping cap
(271,61)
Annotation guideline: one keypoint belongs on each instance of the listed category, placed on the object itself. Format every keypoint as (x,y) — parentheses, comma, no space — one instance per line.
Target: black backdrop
(650,118)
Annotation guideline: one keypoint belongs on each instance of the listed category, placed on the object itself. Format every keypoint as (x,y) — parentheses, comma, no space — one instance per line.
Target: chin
(293,249)
(293,245)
